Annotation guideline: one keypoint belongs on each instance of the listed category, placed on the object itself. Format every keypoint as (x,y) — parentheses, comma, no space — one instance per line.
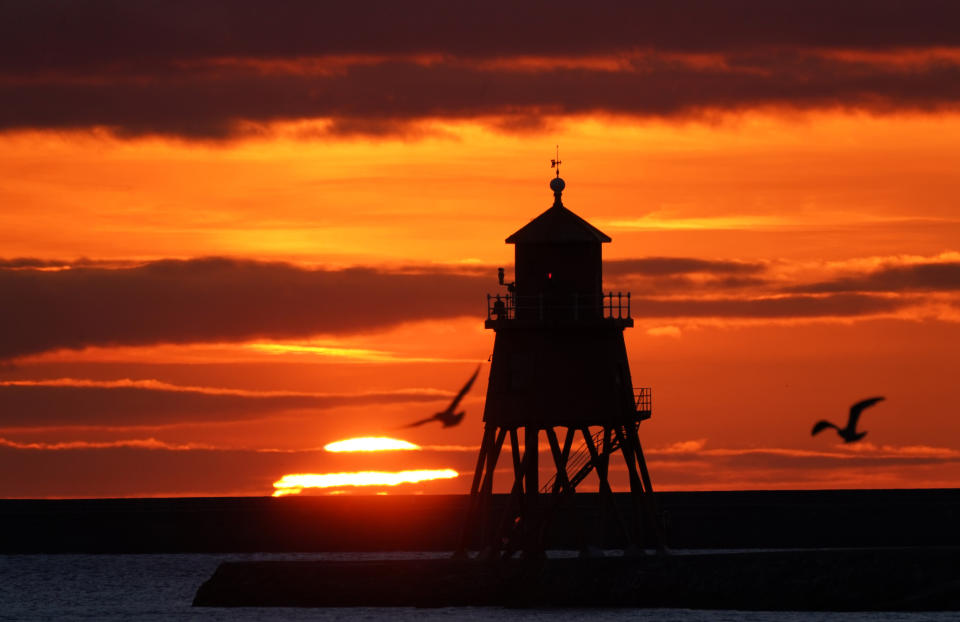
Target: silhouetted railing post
(551,307)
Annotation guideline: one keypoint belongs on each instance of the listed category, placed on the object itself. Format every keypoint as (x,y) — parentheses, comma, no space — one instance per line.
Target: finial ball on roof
(557,184)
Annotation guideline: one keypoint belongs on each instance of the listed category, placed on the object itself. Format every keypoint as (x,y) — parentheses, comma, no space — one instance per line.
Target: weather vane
(555,163)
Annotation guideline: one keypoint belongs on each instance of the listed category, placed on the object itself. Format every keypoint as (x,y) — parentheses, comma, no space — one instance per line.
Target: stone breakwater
(898,579)
(693,520)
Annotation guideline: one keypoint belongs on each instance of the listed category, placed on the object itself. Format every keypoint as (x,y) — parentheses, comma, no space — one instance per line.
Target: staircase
(579,464)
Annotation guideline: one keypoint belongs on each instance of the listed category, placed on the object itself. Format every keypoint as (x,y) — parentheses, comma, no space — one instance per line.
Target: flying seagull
(849,434)
(447,416)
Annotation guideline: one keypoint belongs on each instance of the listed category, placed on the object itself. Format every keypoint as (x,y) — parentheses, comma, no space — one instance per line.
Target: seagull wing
(448,415)
(421,422)
(822,425)
(463,391)
(453,419)
(857,408)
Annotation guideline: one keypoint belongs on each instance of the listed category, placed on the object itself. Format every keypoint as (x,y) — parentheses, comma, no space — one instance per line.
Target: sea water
(161,587)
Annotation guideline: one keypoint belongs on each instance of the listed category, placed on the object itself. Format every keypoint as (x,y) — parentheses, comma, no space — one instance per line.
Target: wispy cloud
(78,402)
(137,443)
(856,454)
(654,222)
(664,331)
(158,385)
(349,354)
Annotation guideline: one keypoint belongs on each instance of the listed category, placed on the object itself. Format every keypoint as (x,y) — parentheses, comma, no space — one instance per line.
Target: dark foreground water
(161,587)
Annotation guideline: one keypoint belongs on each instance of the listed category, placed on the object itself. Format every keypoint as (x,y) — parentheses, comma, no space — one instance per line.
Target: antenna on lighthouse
(557,184)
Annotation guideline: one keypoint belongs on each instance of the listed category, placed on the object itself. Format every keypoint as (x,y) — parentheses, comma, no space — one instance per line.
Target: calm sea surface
(161,587)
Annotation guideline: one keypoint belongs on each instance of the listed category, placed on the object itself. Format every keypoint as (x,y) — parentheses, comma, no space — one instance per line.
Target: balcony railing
(612,305)
(644,399)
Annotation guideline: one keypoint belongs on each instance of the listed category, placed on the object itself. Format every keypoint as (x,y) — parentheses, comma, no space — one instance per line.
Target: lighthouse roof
(558,224)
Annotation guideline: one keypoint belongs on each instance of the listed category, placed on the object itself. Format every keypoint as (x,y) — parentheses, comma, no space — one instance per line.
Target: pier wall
(699,520)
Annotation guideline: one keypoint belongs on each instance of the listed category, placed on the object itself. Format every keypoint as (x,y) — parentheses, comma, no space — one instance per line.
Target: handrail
(579,463)
(643,399)
(610,305)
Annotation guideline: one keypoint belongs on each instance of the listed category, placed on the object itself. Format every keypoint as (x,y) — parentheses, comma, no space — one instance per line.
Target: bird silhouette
(849,434)
(448,417)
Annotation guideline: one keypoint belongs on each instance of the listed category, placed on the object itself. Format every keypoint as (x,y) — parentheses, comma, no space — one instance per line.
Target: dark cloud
(380,68)
(736,282)
(683,274)
(670,266)
(942,276)
(64,405)
(67,34)
(226,300)
(663,285)
(388,97)
(209,300)
(36,263)
(17,263)
(795,306)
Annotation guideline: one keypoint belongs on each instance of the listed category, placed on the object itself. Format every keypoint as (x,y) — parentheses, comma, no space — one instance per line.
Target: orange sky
(196,301)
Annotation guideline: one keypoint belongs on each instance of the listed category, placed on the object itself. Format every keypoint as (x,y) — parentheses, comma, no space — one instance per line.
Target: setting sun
(371,443)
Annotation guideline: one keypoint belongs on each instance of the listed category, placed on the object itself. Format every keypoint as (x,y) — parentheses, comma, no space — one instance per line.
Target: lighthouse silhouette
(559,373)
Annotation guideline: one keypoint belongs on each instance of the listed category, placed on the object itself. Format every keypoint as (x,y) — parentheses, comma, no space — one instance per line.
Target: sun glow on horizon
(294,483)
(371,443)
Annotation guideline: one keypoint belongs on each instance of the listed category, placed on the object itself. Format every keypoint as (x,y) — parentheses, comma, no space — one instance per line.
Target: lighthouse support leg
(505,537)
(486,492)
(649,503)
(531,490)
(608,449)
(601,463)
(636,486)
(560,457)
(482,488)
(472,507)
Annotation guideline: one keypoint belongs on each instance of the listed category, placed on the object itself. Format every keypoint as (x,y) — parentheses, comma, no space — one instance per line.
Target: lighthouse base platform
(866,579)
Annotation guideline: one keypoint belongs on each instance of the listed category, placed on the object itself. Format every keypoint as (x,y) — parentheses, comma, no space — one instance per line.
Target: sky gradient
(233,233)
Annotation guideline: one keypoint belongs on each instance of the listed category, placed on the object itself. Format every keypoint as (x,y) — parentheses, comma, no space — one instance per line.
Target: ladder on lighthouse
(580,463)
